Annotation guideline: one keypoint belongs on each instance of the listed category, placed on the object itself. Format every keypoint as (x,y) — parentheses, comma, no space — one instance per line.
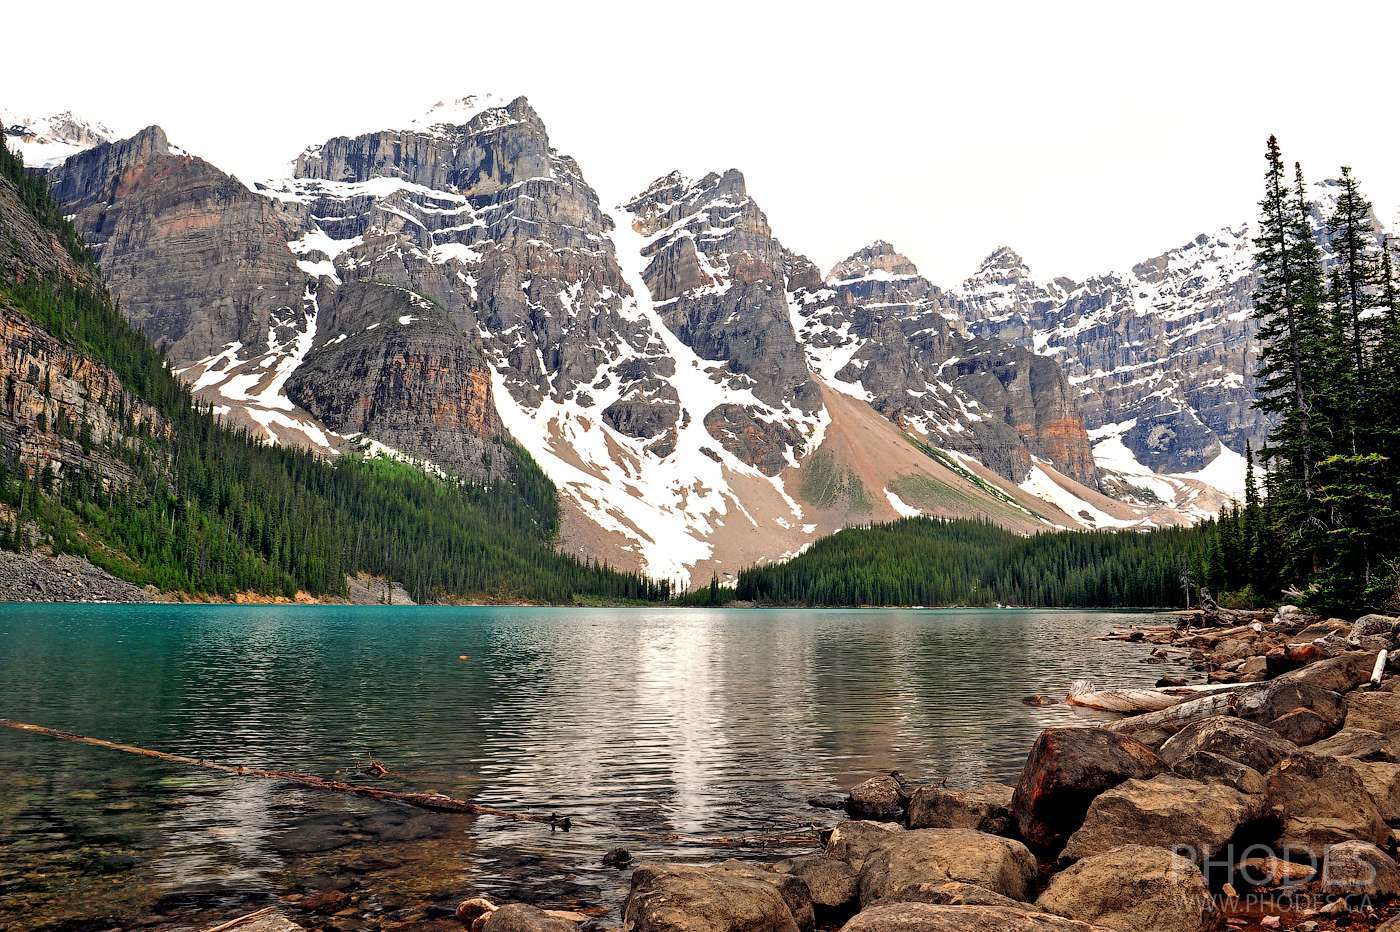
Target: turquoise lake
(674,733)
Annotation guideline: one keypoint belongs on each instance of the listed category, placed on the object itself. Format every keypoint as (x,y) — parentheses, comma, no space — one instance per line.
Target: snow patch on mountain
(46,140)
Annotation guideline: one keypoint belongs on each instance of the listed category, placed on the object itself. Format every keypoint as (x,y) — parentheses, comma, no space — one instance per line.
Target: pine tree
(1358,265)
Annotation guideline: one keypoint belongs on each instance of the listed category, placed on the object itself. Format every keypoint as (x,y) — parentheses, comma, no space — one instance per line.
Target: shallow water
(674,733)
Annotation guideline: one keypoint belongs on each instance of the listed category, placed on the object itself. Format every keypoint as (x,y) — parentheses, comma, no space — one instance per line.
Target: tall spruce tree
(1357,262)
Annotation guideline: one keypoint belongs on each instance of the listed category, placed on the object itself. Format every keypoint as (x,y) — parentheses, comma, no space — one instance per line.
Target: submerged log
(435,802)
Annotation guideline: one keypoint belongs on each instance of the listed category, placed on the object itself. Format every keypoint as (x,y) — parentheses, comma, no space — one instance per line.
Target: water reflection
(654,729)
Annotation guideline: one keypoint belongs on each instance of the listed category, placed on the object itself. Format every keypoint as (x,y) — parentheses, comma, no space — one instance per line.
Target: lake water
(675,733)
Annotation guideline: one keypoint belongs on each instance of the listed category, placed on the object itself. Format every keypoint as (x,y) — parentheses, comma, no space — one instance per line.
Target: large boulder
(690,898)
(1358,868)
(831,882)
(1245,742)
(984,808)
(948,893)
(1135,888)
(1374,711)
(923,917)
(1302,727)
(879,799)
(855,841)
(1372,626)
(1165,812)
(1212,768)
(1338,674)
(518,917)
(1066,769)
(1321,801)
(1382,781)
(932,855)
(1359,743)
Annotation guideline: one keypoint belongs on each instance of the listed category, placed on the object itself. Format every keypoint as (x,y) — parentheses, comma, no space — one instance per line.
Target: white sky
(1087,136)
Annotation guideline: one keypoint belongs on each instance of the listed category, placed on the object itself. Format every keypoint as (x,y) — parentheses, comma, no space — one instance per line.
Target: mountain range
(702,397)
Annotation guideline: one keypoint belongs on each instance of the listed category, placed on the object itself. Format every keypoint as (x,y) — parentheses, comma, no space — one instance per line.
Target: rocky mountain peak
(475,113)
(45,140)
(877,258)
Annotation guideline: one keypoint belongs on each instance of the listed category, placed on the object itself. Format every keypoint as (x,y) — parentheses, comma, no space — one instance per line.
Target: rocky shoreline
(1264,800)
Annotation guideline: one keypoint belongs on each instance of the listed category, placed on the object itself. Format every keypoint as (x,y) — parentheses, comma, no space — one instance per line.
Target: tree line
(1325,526)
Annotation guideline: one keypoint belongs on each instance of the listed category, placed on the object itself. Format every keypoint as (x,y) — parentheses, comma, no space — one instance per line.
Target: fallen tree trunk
(435,802)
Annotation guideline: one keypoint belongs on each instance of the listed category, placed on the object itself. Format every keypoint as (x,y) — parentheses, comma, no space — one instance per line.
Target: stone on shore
(948,893)
(831,882)
(1373,625)
(1374,711)
(1358,868)
(518,917)
(984,808)
(1271,873)
(877,799)
(689,898)
(934,855)
(1208,767)
(1321,801)
(1134,888)
(855,841)
(1165,812)
(1254,746)
(1302,727)
(1338,674)
(923,917)
(1358,743)
(1382,781)
(1066,769)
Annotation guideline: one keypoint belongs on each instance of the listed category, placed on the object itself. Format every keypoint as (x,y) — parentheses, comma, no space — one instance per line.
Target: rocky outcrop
(193,258)
(878,330)
(936,855)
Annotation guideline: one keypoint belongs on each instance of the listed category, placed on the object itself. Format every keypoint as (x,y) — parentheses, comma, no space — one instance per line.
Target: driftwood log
(435,802)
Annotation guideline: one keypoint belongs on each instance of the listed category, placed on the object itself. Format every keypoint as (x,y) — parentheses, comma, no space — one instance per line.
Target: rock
(469,909)
(1302,726)
(1288,611)
(791,887)
(1382,781)
(617,857)
(923,917)
(1338,674)
(1358,868)
(1065,770)
(1359,743)
(948,893)
(518,917)
(932,855)
(1321,801)
(1372,625)
(689,898)
(1321,629)
(273,922)
(1252,745)
(878,799)
(1166,812)
(1374,711)
(984,808)
(1135,888)
(1271,873)
(831,883)
(828,801)
(1208,767)
(853,842)
(1172,681)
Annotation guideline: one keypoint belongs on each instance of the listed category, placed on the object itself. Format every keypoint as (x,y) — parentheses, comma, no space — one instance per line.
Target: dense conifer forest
(213,512)
(1323,523)
(926,561)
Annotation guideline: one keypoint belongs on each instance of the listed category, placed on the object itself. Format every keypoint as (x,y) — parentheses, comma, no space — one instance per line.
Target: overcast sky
(1086,136)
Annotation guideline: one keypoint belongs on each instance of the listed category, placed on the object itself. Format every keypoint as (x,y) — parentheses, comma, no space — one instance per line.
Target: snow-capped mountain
(702,397)
(45,140)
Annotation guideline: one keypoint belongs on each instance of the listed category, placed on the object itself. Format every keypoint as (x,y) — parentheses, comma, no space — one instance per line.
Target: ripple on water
(655,729)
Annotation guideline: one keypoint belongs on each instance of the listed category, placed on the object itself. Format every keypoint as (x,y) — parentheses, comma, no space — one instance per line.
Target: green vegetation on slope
(926,561)
(214,512)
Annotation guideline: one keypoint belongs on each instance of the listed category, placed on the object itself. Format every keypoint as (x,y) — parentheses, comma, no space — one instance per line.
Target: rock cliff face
(194,258)
(879,331)
(45,141)
(60,412)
